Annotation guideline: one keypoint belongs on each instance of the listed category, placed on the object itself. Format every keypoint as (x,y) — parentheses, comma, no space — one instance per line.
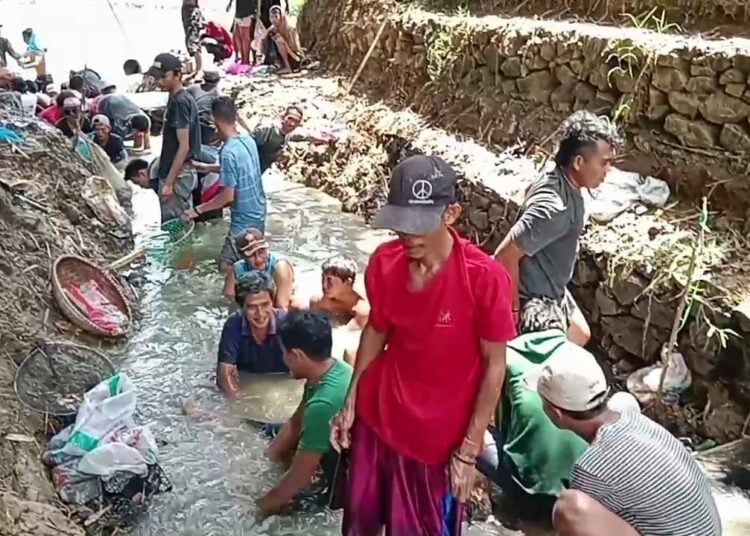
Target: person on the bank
(74,122)
(281,44)
(192,25)
(128,121)
(440,317)
(250,341)
(635,477)
(525,453)
(339,297)
(145,175)
(6,49)
(35,58)
(239,176)
(205,93)
(244,28)
(257,256)
(54,113)
(307,340)
(107,140)
(272,136)
(217,41)
(181,139)
(541,248)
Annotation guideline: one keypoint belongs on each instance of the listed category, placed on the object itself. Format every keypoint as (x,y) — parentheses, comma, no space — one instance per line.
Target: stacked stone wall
(684,103)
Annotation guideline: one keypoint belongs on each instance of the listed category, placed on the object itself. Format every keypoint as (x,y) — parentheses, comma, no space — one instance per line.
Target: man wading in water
(540,250)
(430,363)
(181,139)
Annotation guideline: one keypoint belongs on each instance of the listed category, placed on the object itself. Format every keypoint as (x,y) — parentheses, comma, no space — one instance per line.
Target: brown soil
(52,175)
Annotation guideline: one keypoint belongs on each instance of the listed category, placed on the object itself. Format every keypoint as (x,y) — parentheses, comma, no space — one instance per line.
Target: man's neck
(259,334)
(592,428)
(318,370)
(569,177)
(433,260)
(176,89)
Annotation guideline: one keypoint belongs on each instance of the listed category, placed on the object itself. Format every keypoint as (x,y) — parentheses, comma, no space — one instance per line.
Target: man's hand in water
(189,214)
(342,424)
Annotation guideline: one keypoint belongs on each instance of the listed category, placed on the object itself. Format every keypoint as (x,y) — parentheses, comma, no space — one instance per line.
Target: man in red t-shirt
(430,363)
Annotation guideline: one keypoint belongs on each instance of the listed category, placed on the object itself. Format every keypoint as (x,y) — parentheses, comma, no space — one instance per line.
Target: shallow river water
(217,466)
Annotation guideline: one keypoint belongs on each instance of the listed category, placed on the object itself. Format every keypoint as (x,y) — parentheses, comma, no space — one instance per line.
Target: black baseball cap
(163,63)
(421,187)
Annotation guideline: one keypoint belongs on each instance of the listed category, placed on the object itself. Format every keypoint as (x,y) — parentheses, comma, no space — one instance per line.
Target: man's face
(72,113)
(101,132)
(334,286)
(590,169)
(169,80)
(258,309)
(258,259)
(290,121)
(417,246)
(141,178)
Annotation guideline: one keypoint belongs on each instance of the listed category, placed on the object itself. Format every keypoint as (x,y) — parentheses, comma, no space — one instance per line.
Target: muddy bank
(622,281)
(31,237)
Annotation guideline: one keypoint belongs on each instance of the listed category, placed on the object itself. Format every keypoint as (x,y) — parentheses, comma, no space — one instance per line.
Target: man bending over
(540,250)
(306,337)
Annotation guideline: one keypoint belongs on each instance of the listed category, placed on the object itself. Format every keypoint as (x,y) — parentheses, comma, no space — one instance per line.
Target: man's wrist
(197,210)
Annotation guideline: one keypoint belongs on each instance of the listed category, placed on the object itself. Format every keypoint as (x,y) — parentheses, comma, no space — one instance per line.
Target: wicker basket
(72,269)
(55,375)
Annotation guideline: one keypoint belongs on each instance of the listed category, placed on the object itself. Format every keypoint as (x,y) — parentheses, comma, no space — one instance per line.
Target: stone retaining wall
(684,102)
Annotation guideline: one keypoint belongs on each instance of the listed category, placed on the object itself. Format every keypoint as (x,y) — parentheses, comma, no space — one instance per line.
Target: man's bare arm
(288,437)
(226,377)
(493,354)
(371,344)
(283,276)
(509,254)
(220,200)
(297,478)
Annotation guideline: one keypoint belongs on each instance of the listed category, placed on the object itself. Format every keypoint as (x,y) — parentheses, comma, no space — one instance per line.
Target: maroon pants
(386,489)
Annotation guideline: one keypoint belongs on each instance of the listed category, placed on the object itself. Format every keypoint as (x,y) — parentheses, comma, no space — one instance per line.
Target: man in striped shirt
(635,477)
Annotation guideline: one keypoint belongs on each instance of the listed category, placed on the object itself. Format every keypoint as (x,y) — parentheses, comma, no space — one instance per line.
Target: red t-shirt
(419,394)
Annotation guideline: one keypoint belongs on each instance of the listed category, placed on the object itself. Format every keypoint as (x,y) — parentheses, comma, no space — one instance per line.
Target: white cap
(101,119)
(572,379)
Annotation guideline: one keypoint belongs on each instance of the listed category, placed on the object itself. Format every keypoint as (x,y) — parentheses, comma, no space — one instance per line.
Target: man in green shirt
(307,340)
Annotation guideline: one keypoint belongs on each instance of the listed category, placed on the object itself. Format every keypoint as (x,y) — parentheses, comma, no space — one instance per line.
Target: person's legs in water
(577,514)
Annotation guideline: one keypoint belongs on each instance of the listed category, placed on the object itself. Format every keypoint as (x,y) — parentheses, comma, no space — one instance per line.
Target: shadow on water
(218,466)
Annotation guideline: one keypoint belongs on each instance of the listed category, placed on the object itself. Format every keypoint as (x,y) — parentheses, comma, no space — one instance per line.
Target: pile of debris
(42,216)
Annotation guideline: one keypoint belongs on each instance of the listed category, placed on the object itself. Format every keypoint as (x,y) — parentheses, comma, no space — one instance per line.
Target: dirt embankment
(52,175)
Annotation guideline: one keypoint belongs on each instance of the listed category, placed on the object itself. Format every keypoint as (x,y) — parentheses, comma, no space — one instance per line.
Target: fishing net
(55,376)
(171,238)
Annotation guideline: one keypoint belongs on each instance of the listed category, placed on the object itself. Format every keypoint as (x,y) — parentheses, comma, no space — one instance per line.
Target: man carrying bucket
(439,321)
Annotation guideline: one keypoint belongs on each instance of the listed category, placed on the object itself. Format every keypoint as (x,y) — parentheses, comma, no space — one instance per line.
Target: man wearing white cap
(635,477)
(107,140)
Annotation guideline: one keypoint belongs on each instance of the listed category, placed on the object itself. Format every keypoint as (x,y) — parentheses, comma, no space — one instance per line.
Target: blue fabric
(239,168)
(7,134)
(451,526)
(238,347)
(33,44)
(244,267)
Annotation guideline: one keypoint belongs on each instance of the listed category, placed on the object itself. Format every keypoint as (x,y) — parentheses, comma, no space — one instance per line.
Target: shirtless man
(339,296)
(35,58)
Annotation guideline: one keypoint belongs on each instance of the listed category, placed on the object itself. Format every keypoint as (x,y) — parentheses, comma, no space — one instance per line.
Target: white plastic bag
(112,457)
(644,383)
(107,407)
(139,438)
(622,190)
(102,200)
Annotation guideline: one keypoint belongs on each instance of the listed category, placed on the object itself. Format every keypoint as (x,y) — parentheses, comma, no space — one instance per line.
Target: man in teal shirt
(307,339)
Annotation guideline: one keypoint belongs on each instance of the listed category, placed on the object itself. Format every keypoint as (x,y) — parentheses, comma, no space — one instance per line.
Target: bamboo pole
(367,56)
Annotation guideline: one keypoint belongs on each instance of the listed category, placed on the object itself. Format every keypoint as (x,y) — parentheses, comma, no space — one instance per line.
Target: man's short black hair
(580,133)
(224,108)
(294,108)
(76,82)
(309,331)
(64,94)
(131,67)
(253,282)
(134,167)
(140,123)
(342,267)
(17,83)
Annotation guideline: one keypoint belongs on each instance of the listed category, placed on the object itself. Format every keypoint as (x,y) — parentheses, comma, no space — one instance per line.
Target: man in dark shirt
(74,121)
(138,171)
(6,49)
(181,139)
(205,94)
(127,119)
(249,342)
(107,140)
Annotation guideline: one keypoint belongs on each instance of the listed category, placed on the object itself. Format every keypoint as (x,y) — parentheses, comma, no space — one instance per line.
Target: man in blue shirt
(249,341)
(239,176)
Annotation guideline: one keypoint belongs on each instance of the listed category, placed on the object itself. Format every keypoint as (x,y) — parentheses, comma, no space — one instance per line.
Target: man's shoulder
(234,322)
(479,264)
(386,256)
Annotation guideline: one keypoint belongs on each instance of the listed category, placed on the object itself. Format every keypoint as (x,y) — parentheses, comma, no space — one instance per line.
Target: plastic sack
(106,407)
(139,438)
(105,168)
(644,383)
(622,190)
(101,198)
(109,458)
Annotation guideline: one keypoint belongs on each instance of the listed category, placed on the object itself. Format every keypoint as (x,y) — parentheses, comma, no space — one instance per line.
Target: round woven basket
(70,269)
(54,376)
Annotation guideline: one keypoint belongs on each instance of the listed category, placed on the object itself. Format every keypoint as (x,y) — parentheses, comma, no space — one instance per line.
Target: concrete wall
(499,79)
